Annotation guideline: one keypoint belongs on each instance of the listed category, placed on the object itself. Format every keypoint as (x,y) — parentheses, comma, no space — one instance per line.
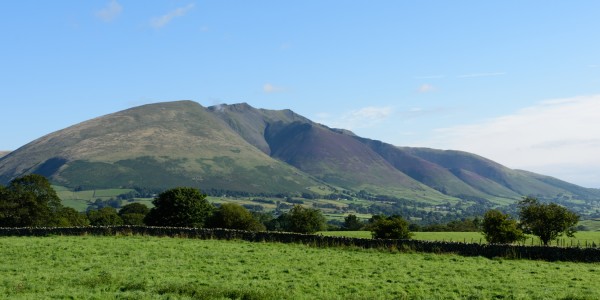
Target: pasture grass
(140,267)
(582,238)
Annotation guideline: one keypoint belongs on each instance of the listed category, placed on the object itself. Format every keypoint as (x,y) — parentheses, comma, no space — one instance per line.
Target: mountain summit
(241,148)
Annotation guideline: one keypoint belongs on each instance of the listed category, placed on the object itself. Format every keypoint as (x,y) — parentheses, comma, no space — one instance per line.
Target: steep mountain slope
(426,172)
(341,160)
(251,123)
(497,180)
(156,145)
(331,155)
(241,148)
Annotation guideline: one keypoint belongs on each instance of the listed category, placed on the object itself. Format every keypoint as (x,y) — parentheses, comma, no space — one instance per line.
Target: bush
(104,217)
(352,222)
(302,220)
(499,228)
(234,216)
(180,207)
(394,227)
(134,213)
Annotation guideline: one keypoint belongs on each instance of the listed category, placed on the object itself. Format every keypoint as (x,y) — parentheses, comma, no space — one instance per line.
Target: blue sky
(515,81)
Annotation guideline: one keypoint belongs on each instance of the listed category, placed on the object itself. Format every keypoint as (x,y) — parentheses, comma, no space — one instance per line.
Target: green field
(136,267)
(582,238)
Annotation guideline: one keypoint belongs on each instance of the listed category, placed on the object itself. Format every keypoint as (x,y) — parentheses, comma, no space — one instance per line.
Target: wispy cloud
(112,10)
(270,88)
(425,88)
(475,75)
(165,19)
(563,132)
(360,118)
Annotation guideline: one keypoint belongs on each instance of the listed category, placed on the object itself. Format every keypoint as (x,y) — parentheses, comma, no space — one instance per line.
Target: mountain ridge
(239,147)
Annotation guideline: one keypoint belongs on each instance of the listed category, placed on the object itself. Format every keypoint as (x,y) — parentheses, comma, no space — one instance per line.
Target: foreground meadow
(138,267)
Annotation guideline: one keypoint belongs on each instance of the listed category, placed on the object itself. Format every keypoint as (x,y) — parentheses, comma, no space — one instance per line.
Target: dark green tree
(499,228)
(302,220)
(105,216)
(234,216)
(180,207)
(133,213)
(546,221)
(352,222)
(29,201)
(393,227)
(70,217)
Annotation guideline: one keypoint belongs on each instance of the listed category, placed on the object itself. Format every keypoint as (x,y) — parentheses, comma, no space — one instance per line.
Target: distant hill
(4,153)
(241,148)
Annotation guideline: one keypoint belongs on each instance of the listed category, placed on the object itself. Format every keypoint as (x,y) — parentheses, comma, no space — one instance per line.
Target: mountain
(4,153)
(241,148)
(158,145)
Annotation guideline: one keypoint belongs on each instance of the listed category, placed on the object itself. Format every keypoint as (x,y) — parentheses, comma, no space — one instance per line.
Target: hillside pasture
(139,267)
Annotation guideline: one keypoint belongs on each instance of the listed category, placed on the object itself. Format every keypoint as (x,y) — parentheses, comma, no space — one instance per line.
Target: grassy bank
(155,268)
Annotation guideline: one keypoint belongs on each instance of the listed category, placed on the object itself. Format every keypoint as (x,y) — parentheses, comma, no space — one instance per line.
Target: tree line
(30,201)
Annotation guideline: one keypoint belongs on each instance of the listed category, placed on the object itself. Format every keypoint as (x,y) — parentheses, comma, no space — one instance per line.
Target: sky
(517,82)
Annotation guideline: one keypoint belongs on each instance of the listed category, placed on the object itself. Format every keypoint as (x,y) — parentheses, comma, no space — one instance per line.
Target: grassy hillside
(159,146)
(257,151)
(172,268)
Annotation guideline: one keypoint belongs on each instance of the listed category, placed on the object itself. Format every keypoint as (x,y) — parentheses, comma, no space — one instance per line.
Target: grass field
(582,238)
(135,267)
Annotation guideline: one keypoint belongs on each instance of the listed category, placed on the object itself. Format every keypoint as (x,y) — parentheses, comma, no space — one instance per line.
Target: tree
(352,222)
(70,217)
(234,216)
(133,213)
(29,201)
(179,207)
(302,220)
(499,228)
(105,216)
(547,221)
(393,227)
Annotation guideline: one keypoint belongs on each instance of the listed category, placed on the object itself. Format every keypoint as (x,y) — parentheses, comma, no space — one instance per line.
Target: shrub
(394,227)
(499,228)
(180,207)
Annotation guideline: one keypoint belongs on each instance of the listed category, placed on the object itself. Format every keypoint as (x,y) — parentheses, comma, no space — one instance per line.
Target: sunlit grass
(135,267)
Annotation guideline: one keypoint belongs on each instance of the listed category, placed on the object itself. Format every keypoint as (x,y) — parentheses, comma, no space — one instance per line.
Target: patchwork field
(136,267)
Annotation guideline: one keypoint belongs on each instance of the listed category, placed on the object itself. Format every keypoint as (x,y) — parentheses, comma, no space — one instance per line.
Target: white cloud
(475,75)
(163,20)
(425,88)
(361,118)
(110,12)
(561,135)
(269,88)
